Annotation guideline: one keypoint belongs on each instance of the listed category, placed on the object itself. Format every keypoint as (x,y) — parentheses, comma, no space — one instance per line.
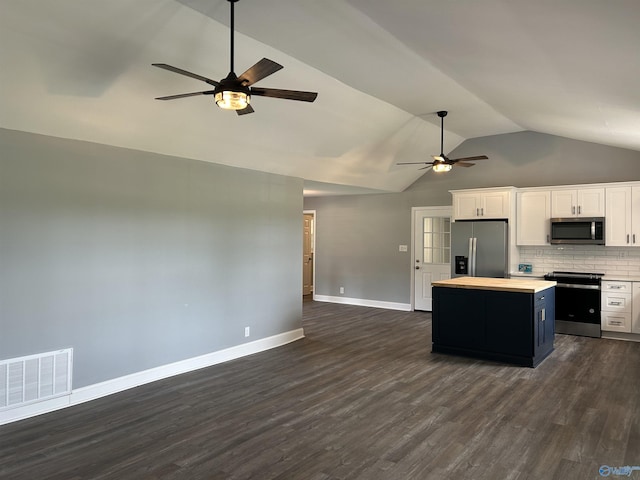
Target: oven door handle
(577,285)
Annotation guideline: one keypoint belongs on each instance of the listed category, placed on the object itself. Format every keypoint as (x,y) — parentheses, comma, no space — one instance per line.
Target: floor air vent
(35,378)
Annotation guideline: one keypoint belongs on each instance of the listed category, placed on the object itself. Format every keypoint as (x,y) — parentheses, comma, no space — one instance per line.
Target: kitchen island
(503,319)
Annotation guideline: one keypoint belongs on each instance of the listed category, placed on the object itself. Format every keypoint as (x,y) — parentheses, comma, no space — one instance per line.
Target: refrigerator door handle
(472,255)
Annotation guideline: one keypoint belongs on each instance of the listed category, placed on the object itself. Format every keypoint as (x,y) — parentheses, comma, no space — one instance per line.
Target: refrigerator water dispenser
(462,265)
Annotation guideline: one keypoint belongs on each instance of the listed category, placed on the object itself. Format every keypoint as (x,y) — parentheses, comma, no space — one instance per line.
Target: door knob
(417,268)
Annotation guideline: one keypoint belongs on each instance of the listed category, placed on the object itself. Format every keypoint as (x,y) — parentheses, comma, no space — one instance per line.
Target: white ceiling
(82,69)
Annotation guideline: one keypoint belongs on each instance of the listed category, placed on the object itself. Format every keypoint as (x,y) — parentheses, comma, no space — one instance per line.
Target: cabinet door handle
(477,212)
(573,210)
(548,239)
(615,322)
(579,209)
(615,303)
(633,238)
(627,238)
(615,287)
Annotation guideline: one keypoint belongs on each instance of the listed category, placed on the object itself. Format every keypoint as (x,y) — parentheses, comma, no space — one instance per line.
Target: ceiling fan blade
(478,157)
(415,163)
(244,111)
(286,94)
(260,70)
(184,95)
(186,73)
(464,164)
(425,168)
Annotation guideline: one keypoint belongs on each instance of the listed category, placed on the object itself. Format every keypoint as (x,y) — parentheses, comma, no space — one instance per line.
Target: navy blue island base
(515,327)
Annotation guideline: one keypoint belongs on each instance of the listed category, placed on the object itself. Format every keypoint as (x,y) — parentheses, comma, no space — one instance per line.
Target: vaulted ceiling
(81,69)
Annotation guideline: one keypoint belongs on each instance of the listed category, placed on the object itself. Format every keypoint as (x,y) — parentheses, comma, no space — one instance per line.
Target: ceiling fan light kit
(233,92)
(230,96)
(440,167)
(230,100)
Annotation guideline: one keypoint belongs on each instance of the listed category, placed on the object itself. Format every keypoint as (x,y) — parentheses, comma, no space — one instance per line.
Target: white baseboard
(630,337)
(116,385)
(406,307)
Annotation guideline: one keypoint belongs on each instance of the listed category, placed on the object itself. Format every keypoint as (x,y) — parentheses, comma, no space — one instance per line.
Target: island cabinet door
(508,325)
(458,316)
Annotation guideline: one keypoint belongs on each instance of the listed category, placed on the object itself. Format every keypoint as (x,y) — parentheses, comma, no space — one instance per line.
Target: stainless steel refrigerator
(479,249)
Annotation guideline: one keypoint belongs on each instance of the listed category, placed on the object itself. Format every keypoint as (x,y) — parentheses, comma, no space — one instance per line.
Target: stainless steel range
(577,302)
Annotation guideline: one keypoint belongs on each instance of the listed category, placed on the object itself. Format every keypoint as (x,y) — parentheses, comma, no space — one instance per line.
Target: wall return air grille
(34,378)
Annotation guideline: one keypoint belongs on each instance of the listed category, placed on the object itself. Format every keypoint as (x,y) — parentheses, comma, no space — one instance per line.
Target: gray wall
(137,260)
(357,237)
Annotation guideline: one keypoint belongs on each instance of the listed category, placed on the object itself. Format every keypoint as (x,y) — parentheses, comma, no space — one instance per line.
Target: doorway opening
(308,254)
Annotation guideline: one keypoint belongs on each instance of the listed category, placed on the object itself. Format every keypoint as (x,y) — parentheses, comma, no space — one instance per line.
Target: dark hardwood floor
(361,397)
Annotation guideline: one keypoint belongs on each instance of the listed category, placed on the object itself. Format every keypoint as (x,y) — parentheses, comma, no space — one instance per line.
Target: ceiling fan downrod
(442,114)
(231,43)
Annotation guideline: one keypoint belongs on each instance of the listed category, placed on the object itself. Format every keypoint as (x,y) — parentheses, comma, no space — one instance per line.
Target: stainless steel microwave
(577,230)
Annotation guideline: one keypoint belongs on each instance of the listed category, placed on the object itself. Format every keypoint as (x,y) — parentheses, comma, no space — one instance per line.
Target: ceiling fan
(442,163)
(233,92)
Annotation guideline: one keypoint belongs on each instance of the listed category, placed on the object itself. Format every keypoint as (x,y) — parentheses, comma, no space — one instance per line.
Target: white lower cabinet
(616,308)
(615,322)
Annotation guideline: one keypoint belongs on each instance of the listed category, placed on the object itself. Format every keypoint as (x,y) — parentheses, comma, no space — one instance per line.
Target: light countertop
(521,285)
(621,278)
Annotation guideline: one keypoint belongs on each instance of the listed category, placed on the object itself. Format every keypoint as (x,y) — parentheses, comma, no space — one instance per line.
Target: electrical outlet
(247,331)
(341,290)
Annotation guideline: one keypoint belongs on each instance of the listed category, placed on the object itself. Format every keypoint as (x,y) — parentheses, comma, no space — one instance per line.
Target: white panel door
(432,252)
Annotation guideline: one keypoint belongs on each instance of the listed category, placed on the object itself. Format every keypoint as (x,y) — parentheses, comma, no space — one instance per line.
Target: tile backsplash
(624,261)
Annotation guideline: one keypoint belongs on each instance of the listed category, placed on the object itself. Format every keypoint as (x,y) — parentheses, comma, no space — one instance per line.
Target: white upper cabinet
(622,223)
(532,218)
(583,202)
(481,204)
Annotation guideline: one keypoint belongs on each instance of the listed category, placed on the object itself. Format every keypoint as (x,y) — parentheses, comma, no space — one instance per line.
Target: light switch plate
(402,248)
